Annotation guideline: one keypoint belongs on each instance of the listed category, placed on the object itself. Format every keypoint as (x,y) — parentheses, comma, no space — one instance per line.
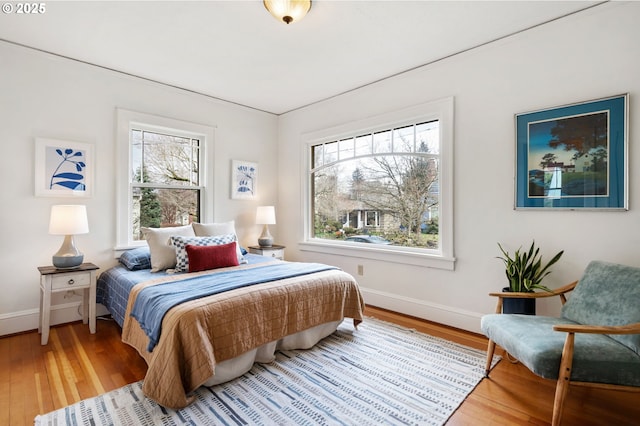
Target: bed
(217,335)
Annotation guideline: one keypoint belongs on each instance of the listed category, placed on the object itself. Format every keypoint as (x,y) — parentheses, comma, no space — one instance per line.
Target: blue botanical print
(70,172)
(245,178)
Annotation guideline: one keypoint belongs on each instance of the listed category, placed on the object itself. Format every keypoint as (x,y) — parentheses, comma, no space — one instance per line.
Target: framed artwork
(63,168)
(244,176)
(573,157)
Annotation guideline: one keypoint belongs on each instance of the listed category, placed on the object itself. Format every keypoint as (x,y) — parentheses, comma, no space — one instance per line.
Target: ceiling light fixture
(288,11)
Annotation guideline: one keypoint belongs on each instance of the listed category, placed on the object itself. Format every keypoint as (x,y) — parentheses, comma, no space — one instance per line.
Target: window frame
(127,121)
(442,258)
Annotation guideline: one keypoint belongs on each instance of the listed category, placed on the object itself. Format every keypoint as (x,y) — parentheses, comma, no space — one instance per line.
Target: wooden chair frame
(566,362)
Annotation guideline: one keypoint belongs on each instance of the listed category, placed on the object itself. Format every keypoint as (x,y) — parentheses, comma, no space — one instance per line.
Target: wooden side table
(53,280)
(274,251)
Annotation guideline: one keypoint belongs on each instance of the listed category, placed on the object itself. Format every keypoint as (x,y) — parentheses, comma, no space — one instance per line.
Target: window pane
(382,142)
(317,156)
(346,149)
(364,145)
(394,197)
(164,159)
(428,137)
(159,208)
(403,140)
(330,152)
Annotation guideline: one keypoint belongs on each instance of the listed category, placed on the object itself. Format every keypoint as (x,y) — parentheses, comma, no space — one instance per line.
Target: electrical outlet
(360,270)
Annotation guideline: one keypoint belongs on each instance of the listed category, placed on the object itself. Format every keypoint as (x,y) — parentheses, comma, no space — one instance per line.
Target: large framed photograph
(63,168)
(573,157)
(244,180)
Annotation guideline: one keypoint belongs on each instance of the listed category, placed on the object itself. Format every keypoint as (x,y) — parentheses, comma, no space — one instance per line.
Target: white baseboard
(17,322)
(465,320)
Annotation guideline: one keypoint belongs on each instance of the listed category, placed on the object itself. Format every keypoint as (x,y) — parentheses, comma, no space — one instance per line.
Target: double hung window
(164,174)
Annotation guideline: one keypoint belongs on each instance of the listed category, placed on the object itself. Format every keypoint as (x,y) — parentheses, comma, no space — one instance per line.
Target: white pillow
(180,243)
(163,254)
(215,229)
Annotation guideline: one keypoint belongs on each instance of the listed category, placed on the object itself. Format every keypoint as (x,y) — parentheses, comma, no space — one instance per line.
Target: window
(165,179)
(162,175)
(384,190)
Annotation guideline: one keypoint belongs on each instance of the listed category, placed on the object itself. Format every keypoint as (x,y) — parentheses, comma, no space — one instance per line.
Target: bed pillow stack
(167,246)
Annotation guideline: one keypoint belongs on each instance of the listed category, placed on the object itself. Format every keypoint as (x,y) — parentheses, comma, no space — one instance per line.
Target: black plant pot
(518,305)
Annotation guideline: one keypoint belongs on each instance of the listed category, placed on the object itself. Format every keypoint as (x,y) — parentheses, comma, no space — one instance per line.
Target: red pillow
(202,258)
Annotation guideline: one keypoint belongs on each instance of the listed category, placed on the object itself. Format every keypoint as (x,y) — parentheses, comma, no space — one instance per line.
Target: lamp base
(265,239)
(67,262)
(68,257)
(265,242)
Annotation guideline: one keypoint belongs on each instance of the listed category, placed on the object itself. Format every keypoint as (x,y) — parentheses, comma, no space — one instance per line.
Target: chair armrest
(599,329)
(534,295)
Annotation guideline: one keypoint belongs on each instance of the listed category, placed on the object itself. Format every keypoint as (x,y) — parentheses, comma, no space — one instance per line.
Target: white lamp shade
(68,220)
(266,215)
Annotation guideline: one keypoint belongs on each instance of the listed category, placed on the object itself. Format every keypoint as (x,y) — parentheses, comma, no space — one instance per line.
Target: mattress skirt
(236,367)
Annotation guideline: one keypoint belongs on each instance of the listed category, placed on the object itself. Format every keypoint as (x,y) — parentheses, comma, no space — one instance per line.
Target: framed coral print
(573,157)
(244,177)
(63,168)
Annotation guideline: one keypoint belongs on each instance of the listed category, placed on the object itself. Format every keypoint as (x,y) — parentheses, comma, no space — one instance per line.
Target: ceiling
(237,52)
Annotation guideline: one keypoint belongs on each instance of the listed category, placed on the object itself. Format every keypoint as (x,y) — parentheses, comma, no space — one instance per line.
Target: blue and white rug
(380,374)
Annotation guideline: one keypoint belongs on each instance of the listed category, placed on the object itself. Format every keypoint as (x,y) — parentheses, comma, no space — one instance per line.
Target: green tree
(548,158)
(150,208)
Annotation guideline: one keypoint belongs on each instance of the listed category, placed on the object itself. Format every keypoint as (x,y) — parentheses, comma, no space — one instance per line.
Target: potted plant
(525,272)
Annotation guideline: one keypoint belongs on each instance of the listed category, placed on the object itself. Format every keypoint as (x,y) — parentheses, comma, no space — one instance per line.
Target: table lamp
(68,220)
(265,215)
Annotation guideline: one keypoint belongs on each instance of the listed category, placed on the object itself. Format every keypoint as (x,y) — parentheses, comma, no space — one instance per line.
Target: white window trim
(442,110)
(126,120)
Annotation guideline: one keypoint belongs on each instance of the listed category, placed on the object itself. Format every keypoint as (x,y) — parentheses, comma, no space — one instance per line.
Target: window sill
(395,254)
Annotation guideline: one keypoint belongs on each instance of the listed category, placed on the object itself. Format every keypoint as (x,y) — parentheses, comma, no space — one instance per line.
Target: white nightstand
(53,280)
(274,251)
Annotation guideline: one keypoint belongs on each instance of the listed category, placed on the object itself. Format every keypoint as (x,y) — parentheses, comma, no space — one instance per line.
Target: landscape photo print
(573,157)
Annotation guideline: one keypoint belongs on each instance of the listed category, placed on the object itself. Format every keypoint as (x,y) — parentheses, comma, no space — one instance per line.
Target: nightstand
(53,280)
(275,251)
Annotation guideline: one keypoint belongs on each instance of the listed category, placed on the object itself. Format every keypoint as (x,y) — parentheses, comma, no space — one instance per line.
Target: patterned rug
(380,374)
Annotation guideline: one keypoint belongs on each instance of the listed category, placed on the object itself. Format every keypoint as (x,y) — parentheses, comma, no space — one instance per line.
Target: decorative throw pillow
(203,258)
(136,259)
(220,228)
(180,244)
(163,254)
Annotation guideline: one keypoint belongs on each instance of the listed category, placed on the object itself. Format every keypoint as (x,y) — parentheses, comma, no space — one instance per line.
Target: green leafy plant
(525,269)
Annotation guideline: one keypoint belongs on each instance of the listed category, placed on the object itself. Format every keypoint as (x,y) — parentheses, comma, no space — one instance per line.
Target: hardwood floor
(75,365)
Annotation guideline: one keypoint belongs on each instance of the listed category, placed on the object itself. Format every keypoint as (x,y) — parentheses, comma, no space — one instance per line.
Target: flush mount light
(288,11)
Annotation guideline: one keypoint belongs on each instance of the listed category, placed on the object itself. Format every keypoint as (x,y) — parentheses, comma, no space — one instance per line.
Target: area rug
(379,374)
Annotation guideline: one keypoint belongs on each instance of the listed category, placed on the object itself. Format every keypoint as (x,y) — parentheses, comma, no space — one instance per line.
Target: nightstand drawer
(70,281)
(278,254)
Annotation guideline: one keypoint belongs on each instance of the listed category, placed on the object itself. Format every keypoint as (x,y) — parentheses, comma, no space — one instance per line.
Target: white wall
(582,57)
(46,96)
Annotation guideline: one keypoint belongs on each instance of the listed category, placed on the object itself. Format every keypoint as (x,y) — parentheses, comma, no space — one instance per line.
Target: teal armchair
(594,342)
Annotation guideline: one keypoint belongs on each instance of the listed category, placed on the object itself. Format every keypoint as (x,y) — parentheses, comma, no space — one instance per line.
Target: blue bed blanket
(153,302)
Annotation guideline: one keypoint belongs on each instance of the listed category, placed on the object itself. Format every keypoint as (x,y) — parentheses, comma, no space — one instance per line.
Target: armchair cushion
(607,294)
(532,340)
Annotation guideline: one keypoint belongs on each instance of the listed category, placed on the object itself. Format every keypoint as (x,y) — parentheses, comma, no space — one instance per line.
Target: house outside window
(391,184)
(165,175)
